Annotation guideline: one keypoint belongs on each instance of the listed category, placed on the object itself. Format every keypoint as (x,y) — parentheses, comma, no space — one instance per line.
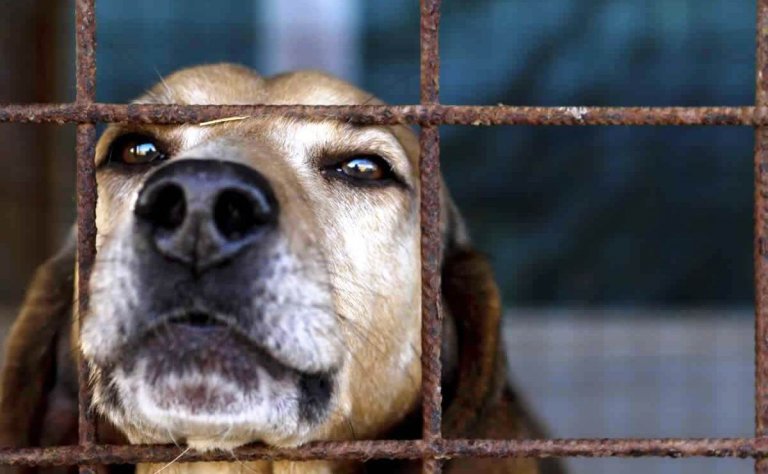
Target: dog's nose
(203,212)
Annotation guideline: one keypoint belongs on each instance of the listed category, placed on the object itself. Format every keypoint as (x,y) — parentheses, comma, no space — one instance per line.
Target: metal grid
(429,114)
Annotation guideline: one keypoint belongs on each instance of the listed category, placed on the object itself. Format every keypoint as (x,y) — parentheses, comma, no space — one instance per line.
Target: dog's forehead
(238,85)
(233,84)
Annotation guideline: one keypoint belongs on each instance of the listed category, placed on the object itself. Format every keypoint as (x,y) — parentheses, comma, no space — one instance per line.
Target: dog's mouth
(202,362)
(199,330)
(197,321)
(192,335)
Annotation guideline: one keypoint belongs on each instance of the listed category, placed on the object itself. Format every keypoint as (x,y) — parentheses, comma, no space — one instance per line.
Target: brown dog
(258,280)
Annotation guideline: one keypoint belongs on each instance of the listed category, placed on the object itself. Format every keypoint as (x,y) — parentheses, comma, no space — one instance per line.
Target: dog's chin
(209,387)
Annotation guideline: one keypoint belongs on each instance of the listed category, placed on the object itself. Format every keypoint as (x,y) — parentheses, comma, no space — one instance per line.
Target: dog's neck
(254,467)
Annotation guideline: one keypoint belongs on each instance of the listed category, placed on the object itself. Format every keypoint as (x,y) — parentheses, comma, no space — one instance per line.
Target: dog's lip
(198,320)
(194,319)
(198,323)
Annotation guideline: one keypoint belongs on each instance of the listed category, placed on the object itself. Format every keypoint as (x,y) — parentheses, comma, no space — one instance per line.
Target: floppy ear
(33,403)
(472,302)
(480,403)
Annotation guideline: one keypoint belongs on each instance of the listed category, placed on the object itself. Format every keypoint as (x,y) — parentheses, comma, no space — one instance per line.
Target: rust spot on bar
(389,114)
(432,465)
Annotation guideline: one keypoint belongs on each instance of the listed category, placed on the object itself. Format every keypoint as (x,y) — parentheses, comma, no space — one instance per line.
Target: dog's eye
(365,168)
(135,150)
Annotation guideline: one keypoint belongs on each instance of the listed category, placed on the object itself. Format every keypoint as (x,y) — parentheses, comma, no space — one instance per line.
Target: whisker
(173,461)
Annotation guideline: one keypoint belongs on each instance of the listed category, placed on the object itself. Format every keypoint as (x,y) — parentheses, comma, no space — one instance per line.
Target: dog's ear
(472,308)
(474,372)
(35,407)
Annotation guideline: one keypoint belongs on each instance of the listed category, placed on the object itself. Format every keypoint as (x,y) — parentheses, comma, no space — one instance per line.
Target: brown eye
(135,150)
(365,168)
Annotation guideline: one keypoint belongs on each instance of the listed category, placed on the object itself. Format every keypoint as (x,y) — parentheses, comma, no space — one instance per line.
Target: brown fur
(38,404)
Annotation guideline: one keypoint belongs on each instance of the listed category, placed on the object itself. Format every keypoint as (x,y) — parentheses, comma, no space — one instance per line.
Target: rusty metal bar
(431,317)
(761,237)
(431,240)
(86,251)
(85,21)
(424,114)
(429,41)
(85,24)
(416,449)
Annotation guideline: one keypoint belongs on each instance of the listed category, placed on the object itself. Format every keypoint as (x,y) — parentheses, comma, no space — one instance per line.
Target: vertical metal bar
(430,51)
(86,231)
(85,24)
(429,173)
(761,236)
(431,324)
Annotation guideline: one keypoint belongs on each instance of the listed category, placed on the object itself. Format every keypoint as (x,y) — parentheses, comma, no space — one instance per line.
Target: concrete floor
(637,374)
(631,374)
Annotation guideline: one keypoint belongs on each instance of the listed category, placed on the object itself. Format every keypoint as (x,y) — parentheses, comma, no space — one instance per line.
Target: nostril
(166,208)
(235,214)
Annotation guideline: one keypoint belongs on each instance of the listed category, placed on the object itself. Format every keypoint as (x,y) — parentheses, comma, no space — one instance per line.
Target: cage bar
(387,449)
(85,84)
(422,114)
(429,114)
(431,253)
(761,237)
(85,24)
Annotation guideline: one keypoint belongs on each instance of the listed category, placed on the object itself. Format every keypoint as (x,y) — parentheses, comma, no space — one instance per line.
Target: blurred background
(624,253)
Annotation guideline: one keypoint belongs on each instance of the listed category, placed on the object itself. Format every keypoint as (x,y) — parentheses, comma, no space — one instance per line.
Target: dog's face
(257,279)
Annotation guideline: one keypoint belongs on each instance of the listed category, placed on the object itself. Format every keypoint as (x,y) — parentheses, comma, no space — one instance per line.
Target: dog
(258,280)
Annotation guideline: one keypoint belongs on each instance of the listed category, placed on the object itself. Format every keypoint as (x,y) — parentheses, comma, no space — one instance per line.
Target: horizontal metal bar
(417,449)
(111,454)
(389,114)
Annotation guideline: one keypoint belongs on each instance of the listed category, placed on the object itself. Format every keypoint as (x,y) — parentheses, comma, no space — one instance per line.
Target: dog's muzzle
(210,322)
